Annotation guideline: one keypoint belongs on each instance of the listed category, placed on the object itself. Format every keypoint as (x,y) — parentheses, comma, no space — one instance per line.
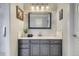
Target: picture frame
(39,18)
(61,14)
(19,13)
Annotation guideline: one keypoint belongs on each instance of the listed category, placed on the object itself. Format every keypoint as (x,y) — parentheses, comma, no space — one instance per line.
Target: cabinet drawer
(24,46)
(23,52)
(35,41)
(23,41)
(55,41)
(44,41)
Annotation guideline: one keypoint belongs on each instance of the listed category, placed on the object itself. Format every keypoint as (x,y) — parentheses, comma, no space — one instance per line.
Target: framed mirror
(39,20)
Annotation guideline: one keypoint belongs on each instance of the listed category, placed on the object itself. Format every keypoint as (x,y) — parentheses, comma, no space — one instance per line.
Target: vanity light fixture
(39,8)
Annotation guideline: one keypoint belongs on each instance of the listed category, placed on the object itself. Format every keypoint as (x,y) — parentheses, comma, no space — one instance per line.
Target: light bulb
(47,7)
(42,8)
(37,8)
(32,7)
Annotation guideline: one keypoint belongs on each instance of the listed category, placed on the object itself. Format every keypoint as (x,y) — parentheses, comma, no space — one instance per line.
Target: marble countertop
(40,37)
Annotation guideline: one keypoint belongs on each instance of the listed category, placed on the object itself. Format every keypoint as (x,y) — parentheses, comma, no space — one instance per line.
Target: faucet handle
(39,34)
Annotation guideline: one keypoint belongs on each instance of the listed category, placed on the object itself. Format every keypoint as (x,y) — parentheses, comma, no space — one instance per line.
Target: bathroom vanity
(39,47)
(43,42)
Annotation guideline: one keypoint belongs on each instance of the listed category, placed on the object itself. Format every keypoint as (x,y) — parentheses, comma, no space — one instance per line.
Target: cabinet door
(23,52)
(34,47)
(34,50)
(55,50)
(44,48)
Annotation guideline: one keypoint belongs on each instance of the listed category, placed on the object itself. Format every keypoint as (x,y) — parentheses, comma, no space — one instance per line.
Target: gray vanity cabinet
(44,48)
(39,47)
(34,47)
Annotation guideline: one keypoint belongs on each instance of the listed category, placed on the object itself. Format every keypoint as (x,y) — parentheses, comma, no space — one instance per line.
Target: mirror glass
(39,21)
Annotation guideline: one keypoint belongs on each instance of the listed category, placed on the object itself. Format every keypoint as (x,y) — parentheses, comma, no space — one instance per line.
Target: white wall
(16,26)
(67,28)
(44,32)
(59,22)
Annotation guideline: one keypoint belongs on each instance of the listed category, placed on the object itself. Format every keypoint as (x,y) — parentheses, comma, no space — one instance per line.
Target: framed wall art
(61,14)
(19,13)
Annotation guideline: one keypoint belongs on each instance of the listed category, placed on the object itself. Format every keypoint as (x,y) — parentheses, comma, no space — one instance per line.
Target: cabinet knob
(76,36)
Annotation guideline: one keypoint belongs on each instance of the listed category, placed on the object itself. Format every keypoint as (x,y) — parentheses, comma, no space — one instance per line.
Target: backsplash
(45,32)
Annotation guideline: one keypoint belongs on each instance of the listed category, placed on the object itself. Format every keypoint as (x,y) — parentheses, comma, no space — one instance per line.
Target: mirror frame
(38,27)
